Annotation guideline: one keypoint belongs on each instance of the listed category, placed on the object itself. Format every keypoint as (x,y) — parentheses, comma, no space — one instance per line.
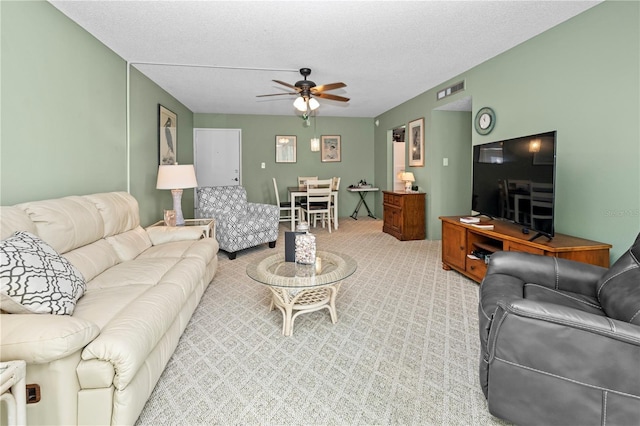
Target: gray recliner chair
(239,223)
(560,340)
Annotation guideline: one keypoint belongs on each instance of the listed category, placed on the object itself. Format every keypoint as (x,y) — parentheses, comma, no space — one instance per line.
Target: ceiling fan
(307,89)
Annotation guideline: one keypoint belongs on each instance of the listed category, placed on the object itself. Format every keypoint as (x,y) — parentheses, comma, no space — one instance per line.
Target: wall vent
(458,87)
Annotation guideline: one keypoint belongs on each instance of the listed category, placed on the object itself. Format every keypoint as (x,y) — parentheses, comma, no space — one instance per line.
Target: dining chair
(302,180)
(541,203)
(318,201)
(286,210)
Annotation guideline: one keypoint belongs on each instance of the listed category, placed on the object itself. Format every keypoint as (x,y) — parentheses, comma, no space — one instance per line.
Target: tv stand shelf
(459,240)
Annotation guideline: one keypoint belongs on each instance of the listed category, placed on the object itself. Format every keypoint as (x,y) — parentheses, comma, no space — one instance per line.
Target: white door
(217,157)
(398,165)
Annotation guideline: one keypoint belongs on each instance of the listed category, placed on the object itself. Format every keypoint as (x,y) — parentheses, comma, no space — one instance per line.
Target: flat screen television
(514,180)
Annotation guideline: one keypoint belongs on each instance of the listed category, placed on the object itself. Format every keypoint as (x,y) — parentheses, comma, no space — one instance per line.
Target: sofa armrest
(165,234)
(552,272)
(40,338)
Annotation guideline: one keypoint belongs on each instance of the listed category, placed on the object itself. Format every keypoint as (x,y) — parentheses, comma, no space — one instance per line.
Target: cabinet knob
(461,248)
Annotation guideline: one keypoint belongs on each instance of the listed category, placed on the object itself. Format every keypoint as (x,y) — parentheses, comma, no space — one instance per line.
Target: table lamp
(407,178)
(176,178)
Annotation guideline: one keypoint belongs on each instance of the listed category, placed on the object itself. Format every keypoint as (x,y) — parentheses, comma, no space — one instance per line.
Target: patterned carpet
(404,351)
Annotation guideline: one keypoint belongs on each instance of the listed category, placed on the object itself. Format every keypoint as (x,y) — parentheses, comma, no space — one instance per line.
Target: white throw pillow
(36,279)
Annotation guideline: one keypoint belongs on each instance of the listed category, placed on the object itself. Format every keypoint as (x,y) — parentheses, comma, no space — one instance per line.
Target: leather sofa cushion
(119,211)
(39,339)
(130,244)
(13,219)
(65,223)
(93,259)
(619,288)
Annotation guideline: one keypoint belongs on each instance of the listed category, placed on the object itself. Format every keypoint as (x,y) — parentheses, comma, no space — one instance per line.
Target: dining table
(301,192)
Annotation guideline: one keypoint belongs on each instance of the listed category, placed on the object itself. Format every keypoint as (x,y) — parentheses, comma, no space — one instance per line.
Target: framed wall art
(416,142)
(286,149)
(330,148)
(167,136)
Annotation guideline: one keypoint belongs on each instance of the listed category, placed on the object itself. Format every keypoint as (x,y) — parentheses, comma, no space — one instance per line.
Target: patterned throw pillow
(36,279)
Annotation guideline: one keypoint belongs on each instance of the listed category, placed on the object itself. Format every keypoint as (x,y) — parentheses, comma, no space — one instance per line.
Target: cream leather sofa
(100,364)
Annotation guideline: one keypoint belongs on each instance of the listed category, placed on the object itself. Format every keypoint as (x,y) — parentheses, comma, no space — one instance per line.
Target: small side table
(207,226)
(13,390)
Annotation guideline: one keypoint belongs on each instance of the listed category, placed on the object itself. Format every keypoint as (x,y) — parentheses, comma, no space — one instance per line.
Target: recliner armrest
(552,272)
(574,318)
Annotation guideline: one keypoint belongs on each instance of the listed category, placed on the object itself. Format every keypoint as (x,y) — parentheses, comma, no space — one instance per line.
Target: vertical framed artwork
(167,136)
(286,149)
(330,148)
(416,142)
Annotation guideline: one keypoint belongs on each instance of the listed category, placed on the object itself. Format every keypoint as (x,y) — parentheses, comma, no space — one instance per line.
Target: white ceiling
(386,52)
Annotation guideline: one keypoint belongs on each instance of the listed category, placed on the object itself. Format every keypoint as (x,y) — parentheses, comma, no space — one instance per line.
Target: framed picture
(167,136)
(330,149)
(286,149)
(416,142)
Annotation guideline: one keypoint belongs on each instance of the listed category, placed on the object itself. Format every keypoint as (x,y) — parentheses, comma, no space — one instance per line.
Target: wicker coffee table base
(292,304)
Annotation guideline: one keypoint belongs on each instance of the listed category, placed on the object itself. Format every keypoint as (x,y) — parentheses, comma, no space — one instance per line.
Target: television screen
(514,180)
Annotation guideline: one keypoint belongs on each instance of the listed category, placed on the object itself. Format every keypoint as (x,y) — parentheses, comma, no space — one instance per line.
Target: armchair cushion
(619,289)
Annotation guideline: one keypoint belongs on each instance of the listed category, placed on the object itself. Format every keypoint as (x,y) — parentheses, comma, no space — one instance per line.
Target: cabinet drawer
(511,246)
(392,200)
(476,268)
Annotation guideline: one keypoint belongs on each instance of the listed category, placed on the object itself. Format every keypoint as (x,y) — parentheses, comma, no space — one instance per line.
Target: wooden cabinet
(404,215)
(459,240)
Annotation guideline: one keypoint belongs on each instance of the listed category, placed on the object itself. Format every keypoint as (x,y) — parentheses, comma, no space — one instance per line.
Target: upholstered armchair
(239,224)
(560,340)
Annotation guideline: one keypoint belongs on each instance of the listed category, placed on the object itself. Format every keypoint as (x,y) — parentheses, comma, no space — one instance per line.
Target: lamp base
(407,187)
(177,206)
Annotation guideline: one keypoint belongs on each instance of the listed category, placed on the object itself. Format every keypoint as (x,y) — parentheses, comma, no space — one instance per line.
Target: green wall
(258,146)
(145,98)
(580,78)
(63,108)
(64,115)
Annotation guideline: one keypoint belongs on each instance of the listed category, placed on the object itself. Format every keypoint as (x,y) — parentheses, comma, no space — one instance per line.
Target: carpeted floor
(404,350)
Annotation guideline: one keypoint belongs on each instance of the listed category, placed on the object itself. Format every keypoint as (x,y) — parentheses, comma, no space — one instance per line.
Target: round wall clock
(485,120)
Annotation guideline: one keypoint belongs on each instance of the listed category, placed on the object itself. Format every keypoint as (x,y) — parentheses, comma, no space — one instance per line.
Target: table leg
(354,215)
(335,211)
(292,199)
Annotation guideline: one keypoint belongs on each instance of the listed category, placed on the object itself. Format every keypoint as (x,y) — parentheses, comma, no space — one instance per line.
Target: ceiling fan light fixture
(313,104)
(300,104)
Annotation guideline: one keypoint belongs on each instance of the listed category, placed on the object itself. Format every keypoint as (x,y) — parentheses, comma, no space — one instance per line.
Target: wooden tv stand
(460,239)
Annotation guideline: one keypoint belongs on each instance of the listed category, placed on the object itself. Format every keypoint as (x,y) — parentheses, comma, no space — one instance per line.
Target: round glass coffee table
(297,289)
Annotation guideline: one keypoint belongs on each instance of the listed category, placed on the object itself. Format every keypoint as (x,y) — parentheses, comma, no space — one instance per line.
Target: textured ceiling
(386,52)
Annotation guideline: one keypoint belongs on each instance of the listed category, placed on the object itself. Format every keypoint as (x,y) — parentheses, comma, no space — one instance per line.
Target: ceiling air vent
(450,90)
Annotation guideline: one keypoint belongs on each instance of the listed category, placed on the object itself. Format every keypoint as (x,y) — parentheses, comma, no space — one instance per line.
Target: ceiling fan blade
(277,94)
(291,86)
(332,97)
(325,87)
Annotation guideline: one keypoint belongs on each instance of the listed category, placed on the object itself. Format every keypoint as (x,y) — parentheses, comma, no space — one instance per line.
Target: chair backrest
(319,191)
(275,188)
(336,183)
(542,196)
(302,180)
(229,198)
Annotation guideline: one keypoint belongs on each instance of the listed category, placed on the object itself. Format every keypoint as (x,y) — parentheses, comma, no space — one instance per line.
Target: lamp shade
(300,104)
(406,177)
(176,176)
(313,104)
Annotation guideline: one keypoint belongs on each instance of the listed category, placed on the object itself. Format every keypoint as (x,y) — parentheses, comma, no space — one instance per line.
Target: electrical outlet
(263,166)
(445,162)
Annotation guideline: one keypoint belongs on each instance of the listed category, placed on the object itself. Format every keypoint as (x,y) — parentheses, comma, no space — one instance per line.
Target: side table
(206,225)
(13,390)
